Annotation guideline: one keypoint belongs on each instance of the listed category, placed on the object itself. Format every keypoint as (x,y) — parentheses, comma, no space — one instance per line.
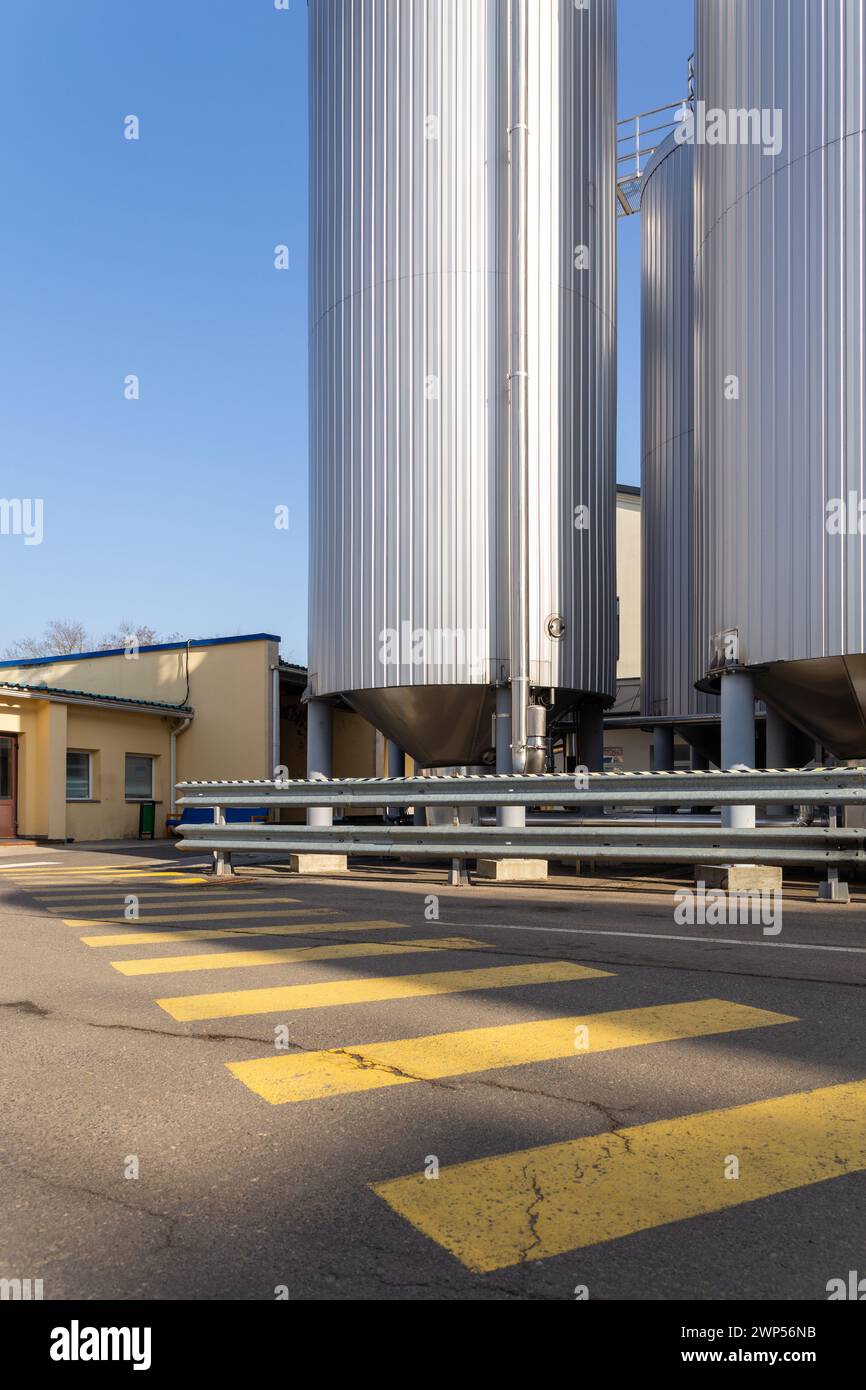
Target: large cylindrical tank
(780,265)
(667,435)
(413,141)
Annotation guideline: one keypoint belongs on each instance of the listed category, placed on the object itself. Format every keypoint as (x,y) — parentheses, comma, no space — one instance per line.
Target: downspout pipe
(275,719)
(518,448)
(178,729)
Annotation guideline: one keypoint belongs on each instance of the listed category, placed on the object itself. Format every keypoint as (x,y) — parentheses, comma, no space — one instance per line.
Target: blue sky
(156,257)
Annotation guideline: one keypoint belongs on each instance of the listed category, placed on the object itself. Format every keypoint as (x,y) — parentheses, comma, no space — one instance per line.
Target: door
(8,787)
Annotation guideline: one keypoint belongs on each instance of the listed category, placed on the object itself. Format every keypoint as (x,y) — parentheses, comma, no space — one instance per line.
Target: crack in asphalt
(170,1222)
(458,1083)
(26,1006)
(533,1211)
(359,1059)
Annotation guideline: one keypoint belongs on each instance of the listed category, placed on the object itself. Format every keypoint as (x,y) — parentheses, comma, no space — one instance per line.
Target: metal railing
(638,138)
(656,843)
(768,844)
(815,787)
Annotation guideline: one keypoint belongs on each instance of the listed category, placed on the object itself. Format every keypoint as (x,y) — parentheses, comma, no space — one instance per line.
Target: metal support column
(591,735)
(395,763)
(396,759)
(320,756)
(738,737)
(663,748)
(513,817)
(782,751)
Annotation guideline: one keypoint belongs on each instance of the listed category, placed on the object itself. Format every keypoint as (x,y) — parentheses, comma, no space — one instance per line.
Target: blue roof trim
(157,647)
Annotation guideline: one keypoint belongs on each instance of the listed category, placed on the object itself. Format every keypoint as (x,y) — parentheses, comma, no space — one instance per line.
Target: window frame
(132,797)
(83,753)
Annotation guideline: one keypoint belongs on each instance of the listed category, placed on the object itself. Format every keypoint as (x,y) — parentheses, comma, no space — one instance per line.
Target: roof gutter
(129,706)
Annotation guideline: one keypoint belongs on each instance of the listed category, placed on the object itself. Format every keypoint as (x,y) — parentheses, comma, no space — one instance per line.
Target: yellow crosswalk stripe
(168,938)
(101,879)
(185,904)
(297,955)
(206,888)
(288,998)
(495,1212)
(56,871)
(184,915)
(371,1066)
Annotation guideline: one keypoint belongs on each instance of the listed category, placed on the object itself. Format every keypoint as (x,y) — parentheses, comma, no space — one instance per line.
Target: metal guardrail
(818,787)
(664,844)
(827,846)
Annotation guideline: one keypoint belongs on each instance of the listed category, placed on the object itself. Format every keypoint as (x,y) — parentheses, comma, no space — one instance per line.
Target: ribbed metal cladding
(410,349)
(780,247)
(667,435)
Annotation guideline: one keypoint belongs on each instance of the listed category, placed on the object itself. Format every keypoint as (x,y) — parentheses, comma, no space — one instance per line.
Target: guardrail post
(833,890)
(222,859)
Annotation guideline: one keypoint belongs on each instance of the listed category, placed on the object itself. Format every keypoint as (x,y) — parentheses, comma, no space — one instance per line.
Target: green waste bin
(146,819)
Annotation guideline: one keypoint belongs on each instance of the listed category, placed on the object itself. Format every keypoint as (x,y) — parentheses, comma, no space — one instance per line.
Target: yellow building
(85,739)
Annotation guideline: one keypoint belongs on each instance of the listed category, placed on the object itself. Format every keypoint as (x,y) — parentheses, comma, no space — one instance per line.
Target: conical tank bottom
(437,725)
(825,697)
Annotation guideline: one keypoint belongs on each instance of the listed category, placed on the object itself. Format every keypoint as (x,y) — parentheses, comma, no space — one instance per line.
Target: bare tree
(67,637)
(63,637)
(125,633)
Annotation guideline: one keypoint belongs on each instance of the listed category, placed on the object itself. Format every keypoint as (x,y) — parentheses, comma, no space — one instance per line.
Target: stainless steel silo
(667,446)
(780,263)
(462,363)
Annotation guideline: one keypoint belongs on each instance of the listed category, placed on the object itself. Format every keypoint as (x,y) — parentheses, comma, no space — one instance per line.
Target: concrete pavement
(583,1072)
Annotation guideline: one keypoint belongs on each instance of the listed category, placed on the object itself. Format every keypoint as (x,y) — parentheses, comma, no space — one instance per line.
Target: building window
(78,778)
(139,777)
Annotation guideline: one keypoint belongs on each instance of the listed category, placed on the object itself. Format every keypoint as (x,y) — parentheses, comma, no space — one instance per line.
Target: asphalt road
(633,1107)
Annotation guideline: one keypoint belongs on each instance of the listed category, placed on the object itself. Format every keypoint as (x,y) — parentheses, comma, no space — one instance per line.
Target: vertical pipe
(513,817)
(320,740)
(663,748)
(275,720)
(518,291)
(738,737)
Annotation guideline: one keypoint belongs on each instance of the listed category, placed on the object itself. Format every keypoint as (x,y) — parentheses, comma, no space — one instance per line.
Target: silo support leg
(320,764)
(781,753)
(514,817)
(738,738)
(395,762)
(738,750)
(510,817)
(663,748)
